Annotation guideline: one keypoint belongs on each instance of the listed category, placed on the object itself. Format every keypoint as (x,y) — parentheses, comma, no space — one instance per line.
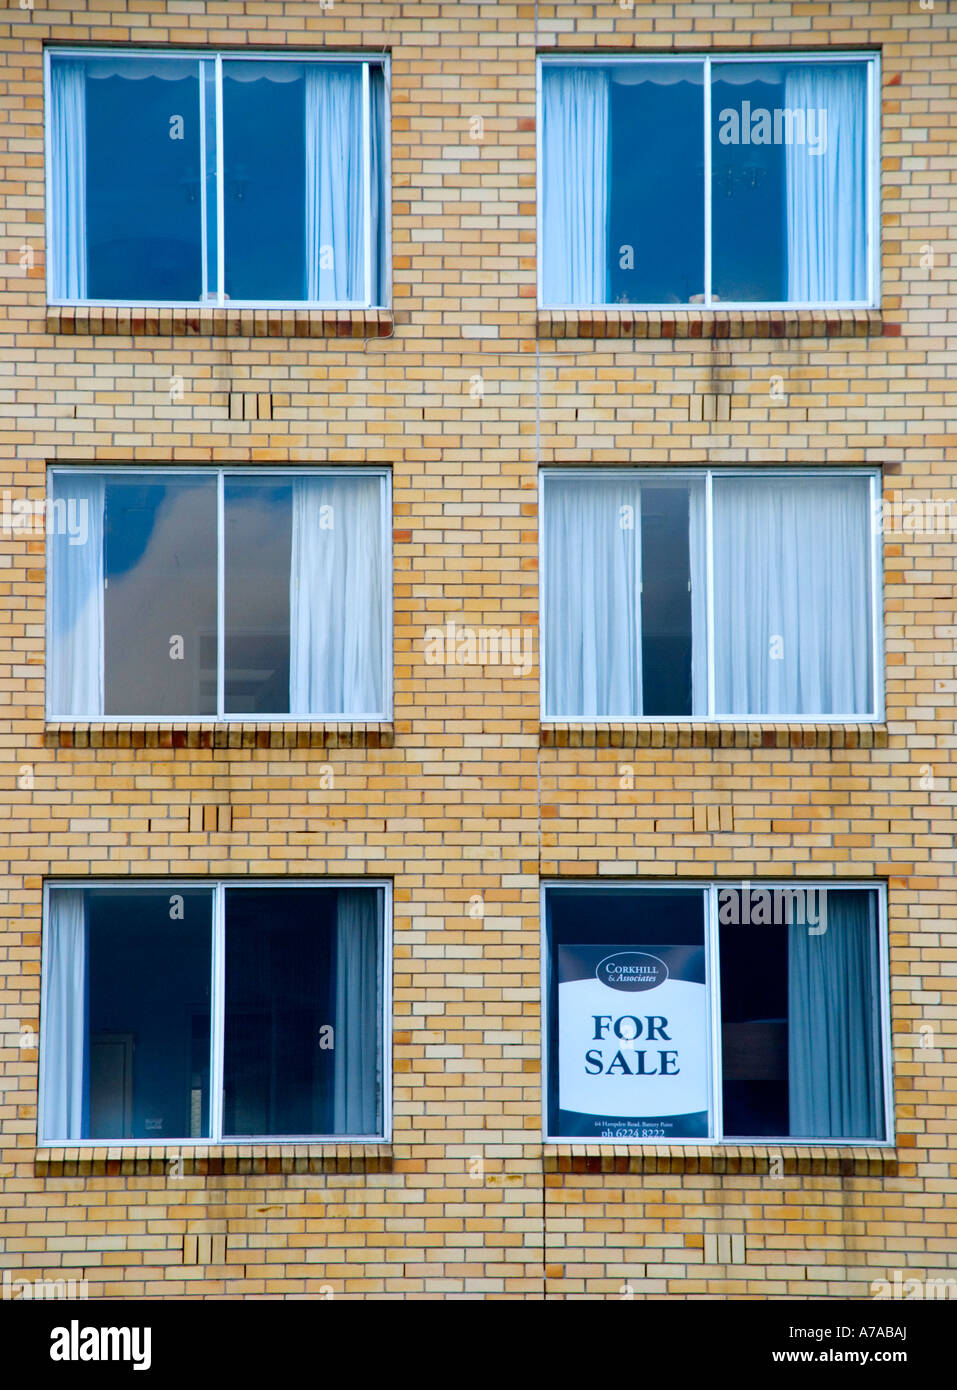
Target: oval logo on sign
(631,971)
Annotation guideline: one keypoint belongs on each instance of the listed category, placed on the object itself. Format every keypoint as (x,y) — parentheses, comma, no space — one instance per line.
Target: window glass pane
(628,1014)
(258,554)
(665,602)
(754,1027)
(656,250)
(211,282)
(142,177)
(622,183)
(160,599)
(592,540)
(792,593)
(338,591)
(295,181)
(800,1017)
(133,168)
(76,600)
(127,1014)
(303,1013)
(264,191)
(789,143)
(625,597)
(305,596)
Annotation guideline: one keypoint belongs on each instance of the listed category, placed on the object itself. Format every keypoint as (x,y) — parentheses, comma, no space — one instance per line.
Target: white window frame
(218,1010)
(221,472)
(651,474)
(215,58)
(710,889)
(709,304)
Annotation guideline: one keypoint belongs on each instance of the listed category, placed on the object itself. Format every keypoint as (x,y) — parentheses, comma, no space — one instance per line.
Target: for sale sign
(632,1042)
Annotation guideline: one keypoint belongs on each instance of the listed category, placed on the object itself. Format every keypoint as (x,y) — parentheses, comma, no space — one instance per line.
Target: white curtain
(336,598)
(65,1006)
(698,557)
(76,634)
(835,1085)
(592,599)
(335,209)
(67,158)
(792,596)
(826,202)
(358,1080)
(575,194)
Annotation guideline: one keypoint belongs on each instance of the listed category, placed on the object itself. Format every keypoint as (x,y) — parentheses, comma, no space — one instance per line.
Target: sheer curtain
(792,596)
(698,557)
(826,202)
(65,1011)
(575,194)
(592,600)
(335,210)
(76,635)
(358,1028)
(835,1085)
(67,157)
(336,597)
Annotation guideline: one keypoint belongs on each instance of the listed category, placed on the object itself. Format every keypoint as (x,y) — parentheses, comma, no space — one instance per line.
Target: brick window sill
(212,1160)
(220,322)
(711,324)
(687,735)
(755,1159)
(218,735)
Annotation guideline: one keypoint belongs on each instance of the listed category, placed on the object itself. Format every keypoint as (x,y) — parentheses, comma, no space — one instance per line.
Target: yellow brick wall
(469,800)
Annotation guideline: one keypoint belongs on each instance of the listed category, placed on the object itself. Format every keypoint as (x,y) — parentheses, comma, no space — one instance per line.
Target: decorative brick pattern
(726,1159)
(210,1160)
(727,323)
(208,818)
(224,734)
(219,323)
(701,735)
(710,818)
(204,1248)
(250,405)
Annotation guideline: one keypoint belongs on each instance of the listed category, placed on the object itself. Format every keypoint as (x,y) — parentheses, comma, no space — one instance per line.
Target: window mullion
(217,1015)
(707,181)
(714,1005)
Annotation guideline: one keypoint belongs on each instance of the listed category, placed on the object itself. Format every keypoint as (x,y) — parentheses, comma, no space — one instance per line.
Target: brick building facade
(465,800)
